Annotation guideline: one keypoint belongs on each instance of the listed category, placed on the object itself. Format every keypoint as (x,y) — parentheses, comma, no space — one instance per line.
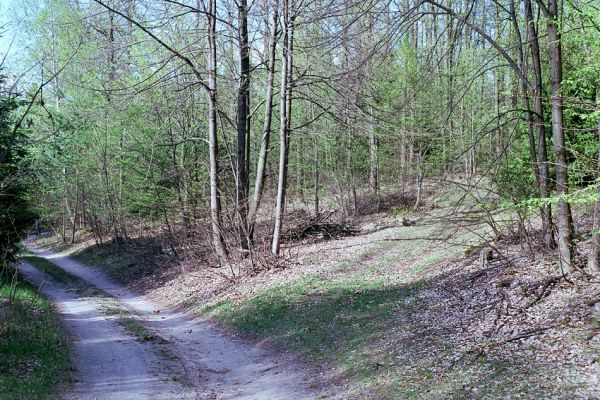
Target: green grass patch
(367,330)
(361,318)
(335,321)
(137,329)
(128,321)
(34,356)
(54,271)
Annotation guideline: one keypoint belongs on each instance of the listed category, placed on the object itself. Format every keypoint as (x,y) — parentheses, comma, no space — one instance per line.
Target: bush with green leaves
(15,216)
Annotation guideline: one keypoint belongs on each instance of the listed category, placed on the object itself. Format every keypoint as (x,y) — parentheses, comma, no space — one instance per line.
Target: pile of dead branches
(369,204)
(318,227)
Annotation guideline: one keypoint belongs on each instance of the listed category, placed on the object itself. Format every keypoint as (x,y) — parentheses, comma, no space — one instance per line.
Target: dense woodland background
(211,121)
(205,153)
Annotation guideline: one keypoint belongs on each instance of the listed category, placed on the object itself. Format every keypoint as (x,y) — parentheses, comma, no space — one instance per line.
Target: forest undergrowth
(406,307)
(405,194)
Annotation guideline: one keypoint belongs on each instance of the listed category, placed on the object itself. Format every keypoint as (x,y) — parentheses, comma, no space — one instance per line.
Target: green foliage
(15,215)
(581,93)
(587,195)
(121,138)
(514,178)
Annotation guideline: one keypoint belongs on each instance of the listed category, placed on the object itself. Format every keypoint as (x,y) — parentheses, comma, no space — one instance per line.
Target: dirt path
(218,367)
(110,363)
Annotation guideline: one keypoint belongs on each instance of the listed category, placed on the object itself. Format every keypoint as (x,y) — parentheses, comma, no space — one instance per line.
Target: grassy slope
(139,260)
(366,318)
(34,357)
(346,318)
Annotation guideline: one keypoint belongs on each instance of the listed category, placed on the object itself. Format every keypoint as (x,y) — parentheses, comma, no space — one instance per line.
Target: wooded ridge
(230,134)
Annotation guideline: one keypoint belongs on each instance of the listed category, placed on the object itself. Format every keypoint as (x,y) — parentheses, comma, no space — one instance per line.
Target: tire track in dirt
(109,362)
(217,366)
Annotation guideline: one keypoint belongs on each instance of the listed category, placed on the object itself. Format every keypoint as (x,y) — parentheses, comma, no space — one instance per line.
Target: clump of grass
(57,273)
(34,356)
(128,321)
(137,329)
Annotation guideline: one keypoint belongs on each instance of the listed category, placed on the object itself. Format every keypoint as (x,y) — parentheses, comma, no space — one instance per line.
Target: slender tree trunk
(317,172)
(419,176)
(76,214)
(373,159)
(113,219)
(65,207)
(538,117)
(594,256)
(213,149)
(300,169)
(533,118)
(242,125)
(496,144)
(373,140)
(285,123)
(266,134)
(564,221)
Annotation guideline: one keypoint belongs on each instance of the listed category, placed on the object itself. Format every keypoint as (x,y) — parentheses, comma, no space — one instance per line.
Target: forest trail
(112,364)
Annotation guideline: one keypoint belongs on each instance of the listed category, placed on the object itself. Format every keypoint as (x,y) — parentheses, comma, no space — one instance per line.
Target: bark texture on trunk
(373,158)
(594,256)
(564,221)
(538,119)
(213,148)
(266,133)
(285,122)
(243,103)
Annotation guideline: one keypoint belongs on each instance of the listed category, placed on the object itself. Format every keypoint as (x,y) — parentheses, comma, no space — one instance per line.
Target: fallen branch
(544,292)
(478,349)
(526,334)
(319,227)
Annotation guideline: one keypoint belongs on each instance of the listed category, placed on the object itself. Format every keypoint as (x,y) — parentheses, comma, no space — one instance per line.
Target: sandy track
(216,366)
(110,363)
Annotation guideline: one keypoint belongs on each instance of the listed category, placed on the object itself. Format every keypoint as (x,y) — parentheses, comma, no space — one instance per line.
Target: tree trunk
(213,149)
(316,162)
(538,117)
(594,256)
(565,228)
(266,134)
(285,114)
(242,125)
(76,214)
(373,160)
(533,118)
(419,176)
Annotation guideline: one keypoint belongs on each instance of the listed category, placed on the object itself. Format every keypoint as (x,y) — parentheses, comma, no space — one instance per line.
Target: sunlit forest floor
(406,308)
